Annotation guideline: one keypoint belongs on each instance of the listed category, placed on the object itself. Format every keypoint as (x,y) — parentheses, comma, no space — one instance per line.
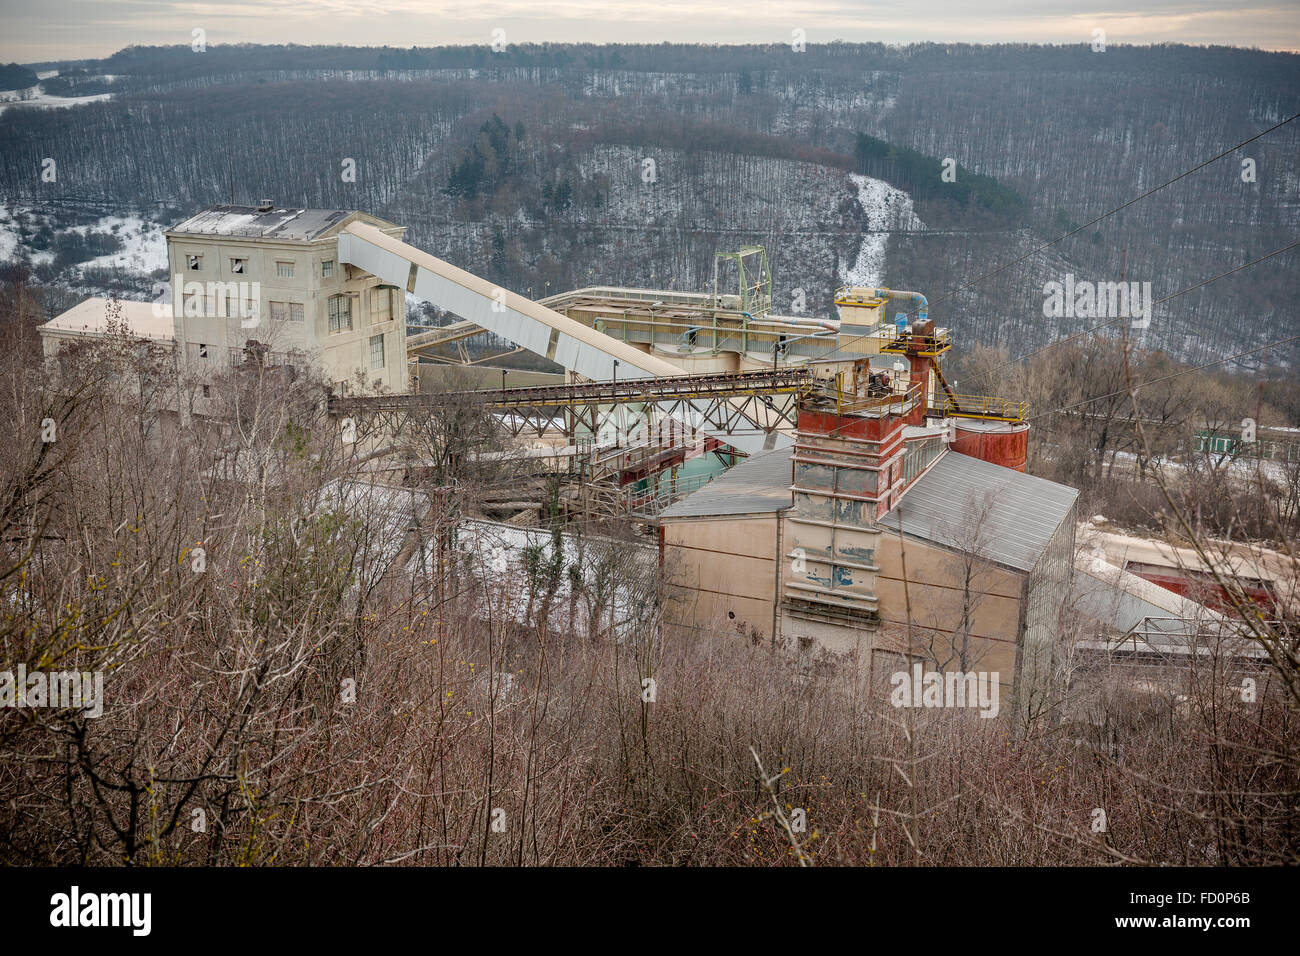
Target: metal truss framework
(729,403)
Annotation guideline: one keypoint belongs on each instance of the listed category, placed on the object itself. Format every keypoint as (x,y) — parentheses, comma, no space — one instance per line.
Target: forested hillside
(555,166)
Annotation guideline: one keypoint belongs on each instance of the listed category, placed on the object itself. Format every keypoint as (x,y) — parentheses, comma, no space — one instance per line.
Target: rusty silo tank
(1002,443)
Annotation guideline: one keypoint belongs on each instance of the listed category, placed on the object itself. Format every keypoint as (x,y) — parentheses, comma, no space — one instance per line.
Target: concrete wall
(937,592)
(721,566)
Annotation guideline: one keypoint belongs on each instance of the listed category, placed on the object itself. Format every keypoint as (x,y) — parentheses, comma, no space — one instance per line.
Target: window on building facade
(295,312)
(380,306)
(327,268)
(279,312)
(203,350)
(340,311)
(284,270)
(376,351)
(194,263)
(237,266)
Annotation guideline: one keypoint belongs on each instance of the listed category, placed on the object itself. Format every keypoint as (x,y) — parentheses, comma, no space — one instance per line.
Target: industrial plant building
(261,285)
(853,503)
(937,557)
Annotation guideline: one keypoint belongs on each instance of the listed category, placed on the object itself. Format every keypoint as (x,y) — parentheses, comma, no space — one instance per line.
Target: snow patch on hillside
(8,236)
(144,247)
(36,95)
(886,208)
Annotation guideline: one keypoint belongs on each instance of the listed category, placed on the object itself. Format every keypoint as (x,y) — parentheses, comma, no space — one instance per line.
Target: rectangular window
(194,263)
(284,270)
(376,351)
(327,268)
(237,266)
(203,350)
(340,309)
(279,312)
(295,311)
(380,306)
(207,391)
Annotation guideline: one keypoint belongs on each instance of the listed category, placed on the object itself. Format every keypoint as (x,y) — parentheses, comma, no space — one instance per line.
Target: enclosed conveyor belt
(528,324)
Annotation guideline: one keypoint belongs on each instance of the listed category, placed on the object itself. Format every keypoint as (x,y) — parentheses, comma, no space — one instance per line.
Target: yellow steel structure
(929,344)
(987,407)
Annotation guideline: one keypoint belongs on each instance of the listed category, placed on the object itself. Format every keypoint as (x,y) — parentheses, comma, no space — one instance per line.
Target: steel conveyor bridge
(744,422)
(727,404)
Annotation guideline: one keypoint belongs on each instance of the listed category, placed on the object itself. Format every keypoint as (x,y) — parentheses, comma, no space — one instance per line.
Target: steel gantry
(724,404)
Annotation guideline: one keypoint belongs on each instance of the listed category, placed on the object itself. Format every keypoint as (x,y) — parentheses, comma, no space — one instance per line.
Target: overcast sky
(35,30)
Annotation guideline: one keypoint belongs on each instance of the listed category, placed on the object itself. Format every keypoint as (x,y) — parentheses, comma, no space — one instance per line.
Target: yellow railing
(844,295)
(981,406)
(846,401)
(940,340)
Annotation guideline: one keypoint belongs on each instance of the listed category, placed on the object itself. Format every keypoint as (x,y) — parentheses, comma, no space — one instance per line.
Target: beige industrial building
(266,285)
(987,551)
(873,539)
(273,278)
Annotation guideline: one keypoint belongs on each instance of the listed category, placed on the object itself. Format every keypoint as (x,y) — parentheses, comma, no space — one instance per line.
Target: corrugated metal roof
(1112,605)
(247,221)
(758,485)
(1024,511)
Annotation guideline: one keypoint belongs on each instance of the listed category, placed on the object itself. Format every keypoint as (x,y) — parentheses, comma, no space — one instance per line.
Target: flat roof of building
(148,320)
(249,222)
(758,485)
(1023,511)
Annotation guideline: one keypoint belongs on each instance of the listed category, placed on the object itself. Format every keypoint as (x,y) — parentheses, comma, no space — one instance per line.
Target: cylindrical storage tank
(760,361)
(698,361)
(1002,443)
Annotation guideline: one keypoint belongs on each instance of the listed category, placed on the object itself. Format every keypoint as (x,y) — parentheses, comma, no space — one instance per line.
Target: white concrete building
(258,283)
(260,280)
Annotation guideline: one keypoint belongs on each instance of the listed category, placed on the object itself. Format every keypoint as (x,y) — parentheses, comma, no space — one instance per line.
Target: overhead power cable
(1190,288)
(1093,222)
(1165,378)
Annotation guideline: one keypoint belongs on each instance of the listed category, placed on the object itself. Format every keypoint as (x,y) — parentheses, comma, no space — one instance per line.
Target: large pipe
(922,306)
(824,325)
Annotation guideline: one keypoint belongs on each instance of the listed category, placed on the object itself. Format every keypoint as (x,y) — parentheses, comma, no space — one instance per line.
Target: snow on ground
(144,247)
(36,96)
(499,553)
(8,236)
(1245,468)
(886,208)
(667,188)
(11,242)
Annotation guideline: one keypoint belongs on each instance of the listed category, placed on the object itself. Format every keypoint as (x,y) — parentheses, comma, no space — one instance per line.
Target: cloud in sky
(35,30)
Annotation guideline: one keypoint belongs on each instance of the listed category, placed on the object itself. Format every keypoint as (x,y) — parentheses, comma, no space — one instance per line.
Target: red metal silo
(1002,443)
